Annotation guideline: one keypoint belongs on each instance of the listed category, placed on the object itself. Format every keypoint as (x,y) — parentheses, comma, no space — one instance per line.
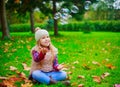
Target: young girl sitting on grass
(45,68)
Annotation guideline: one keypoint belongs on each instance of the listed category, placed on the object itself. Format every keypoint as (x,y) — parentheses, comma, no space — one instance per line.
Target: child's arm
(55,63)
(37,56)
(57,66)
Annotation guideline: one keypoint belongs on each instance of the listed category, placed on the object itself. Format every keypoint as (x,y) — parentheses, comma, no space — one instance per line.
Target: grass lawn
(91,59)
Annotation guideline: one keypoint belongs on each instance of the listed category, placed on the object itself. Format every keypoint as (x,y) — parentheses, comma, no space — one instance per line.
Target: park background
(86,33)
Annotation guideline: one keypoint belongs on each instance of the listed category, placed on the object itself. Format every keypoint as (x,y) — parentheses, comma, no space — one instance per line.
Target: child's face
(45,41)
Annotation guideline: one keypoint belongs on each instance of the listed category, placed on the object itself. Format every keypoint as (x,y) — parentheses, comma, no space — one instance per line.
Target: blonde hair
(51,48)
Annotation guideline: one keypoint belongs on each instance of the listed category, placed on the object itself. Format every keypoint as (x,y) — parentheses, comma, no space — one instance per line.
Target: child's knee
(63,75)
(35,73)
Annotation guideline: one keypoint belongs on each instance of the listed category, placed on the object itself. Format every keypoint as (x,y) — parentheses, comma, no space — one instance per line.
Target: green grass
(76,49)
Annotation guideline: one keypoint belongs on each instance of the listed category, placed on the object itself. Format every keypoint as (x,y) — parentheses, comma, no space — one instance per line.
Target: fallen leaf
(14,79)
(2,78)
(110,66)
(117,85)
(80,76)
(8,83)
(69,72)
(105,75)
(74,84)
(85,66)
(12,68)
(27,85)
(68,78)
(25,66)
(96,63)
(80,85)
(97,79)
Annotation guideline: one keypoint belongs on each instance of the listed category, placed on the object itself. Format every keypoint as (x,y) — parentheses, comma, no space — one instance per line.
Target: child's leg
(58,75)
(41,77)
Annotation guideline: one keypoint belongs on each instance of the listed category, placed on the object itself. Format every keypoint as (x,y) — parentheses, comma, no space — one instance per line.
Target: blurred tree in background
(39,11)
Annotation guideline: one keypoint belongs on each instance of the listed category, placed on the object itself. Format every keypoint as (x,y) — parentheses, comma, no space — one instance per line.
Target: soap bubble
(57,15)
(74,9)
(63,21)
(87,5)
(65,10)
(64,14)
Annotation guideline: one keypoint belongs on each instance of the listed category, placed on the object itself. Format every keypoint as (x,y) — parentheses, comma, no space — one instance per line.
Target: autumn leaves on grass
(96,78)
(10,81)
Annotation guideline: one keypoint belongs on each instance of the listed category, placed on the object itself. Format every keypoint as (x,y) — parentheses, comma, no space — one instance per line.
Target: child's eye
(43,37)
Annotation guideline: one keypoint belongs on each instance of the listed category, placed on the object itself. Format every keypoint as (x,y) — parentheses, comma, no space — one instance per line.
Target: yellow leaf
(27,85)
(73,84)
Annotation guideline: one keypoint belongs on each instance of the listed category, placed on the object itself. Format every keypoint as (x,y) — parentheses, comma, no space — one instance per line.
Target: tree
(4,26)
(55,21)
(22,7)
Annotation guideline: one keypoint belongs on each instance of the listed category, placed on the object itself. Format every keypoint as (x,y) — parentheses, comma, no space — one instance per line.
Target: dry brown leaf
(110,66)
(68,78)
(25,66)
(80,76)
(96,63)
(80,85)
(105,75)
(14,79)
(69,72)
(85,66)
(12,68)
(97,79)
(74,84)
(8,83)
(3,78)
(27,85)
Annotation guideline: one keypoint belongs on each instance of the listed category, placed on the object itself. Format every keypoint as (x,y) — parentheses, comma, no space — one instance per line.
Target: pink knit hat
(40,32)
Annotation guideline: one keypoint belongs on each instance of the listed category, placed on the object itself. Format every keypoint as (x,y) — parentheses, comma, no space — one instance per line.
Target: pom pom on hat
(40,32)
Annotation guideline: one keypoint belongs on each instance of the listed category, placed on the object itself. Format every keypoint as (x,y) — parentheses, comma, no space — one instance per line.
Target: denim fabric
(44,77)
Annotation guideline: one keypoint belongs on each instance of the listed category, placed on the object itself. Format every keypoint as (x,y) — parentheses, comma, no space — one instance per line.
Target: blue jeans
(44,77)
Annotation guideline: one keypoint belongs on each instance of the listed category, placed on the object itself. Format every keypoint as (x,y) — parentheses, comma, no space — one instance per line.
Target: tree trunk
(4,26)
(32,21)
(55,21)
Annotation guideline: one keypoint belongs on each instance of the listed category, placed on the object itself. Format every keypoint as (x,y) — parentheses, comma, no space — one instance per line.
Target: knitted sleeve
(37,56)
(55,63)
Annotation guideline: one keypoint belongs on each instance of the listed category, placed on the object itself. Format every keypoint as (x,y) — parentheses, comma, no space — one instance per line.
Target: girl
(45,68)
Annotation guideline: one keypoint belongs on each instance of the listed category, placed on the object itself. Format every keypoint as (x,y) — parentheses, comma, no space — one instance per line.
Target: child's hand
(61,66)
(44,50)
